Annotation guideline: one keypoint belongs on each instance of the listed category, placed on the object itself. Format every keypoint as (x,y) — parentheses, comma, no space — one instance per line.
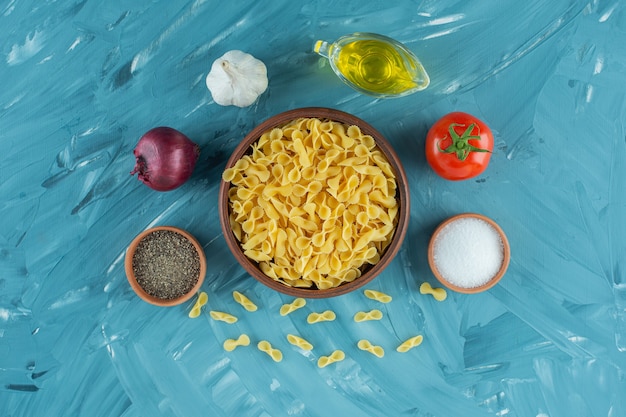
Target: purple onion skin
(165,158)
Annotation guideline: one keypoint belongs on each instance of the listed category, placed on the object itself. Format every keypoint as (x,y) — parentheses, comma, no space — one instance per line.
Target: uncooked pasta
(314,203)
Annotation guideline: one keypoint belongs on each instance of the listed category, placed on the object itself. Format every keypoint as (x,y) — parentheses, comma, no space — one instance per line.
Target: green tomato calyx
(460,144)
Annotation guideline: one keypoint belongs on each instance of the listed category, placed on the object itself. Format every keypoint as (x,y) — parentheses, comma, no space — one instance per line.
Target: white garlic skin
(237,78)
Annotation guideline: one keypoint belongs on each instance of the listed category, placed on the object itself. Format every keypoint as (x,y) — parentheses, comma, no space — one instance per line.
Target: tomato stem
(460,144)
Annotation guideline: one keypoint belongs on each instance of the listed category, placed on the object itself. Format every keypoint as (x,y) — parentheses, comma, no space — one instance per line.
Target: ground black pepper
(166,264)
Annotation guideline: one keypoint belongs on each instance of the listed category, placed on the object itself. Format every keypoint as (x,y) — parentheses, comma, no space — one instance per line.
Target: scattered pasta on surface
(377,296)
(336,356)
(327,315)
(221,316)
(244,301)
(299,342)
(275,354)
(293,306)
(367,316)
(203,298)
(410,343)
(232,344)
(314,203)
(367,346)
(438,294)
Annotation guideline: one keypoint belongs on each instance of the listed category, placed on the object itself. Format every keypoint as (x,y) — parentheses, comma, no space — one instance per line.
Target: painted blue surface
(82,80)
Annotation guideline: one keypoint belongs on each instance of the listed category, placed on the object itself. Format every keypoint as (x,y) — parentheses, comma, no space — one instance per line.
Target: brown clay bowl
(495,279)
(402,195)
(130,274)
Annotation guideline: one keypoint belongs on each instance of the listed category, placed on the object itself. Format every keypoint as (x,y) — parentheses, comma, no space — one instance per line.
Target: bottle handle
(322,48)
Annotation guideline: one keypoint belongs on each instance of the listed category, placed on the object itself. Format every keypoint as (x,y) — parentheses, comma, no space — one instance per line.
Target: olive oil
(375,65)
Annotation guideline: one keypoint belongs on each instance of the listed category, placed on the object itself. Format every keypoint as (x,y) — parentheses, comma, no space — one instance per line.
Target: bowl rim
(402,195)
(132,280)
(495,279)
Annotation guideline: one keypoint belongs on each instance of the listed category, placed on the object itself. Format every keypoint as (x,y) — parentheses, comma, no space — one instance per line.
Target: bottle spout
(321,48)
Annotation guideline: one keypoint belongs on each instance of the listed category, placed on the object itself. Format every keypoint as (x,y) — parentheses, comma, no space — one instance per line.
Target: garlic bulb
(236,78)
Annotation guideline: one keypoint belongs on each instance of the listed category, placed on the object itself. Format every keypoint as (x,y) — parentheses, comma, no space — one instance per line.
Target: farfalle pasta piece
(203,298)
(410,343)
(232,344)
(244,301)
(367,346)
(327,315)
(293,306)
(377,296)
(308,179)
(336,356)
(275,354)
(221,316)
(299,342)
(438,294)
(368,315)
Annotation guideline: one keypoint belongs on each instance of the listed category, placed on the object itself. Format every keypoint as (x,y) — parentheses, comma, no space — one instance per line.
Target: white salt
(468,252)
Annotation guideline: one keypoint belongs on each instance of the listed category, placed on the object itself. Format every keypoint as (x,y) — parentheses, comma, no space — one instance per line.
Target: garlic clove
(237,78)
(221,87)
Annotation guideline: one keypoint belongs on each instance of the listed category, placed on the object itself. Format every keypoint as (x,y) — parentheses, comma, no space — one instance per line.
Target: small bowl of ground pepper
(165,265)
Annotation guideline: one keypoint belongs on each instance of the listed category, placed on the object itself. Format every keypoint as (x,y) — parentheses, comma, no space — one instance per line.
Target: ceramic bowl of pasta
(314,203)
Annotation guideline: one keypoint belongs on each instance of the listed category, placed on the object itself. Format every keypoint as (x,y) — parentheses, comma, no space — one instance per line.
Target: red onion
(165,158)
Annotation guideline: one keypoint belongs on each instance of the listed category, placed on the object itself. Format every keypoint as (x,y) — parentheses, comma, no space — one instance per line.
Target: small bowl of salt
(469,253)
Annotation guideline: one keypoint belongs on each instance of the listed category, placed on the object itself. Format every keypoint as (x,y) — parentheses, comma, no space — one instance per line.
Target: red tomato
(459,146)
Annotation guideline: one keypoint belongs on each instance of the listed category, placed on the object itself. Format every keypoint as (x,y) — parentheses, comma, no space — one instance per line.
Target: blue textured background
(82,80)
